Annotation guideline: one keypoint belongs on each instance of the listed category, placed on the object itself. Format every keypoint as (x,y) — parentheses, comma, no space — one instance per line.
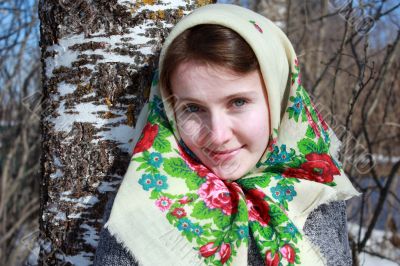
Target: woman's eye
(239,102)
(191,108)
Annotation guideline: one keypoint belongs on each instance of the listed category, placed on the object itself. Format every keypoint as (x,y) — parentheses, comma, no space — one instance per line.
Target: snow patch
(66,193)
(108,186)
(65,88)
(378,243)
(34,255)
(64,56)
(81,259)
(57,174)
(46,246)
(60,216)
(128,97)
(172,4)
(85,202)
(369,260)
(90,236)
(122,134)
(87,112)
(57,161)
(92,94)
(74,215)
(58,165)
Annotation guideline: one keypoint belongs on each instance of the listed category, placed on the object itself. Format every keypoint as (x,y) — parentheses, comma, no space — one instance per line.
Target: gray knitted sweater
(326,227)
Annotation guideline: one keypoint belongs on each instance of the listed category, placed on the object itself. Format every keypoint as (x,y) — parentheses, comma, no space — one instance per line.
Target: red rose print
(179,212)
(216,195)
(234,187)
(225,252)
(319,168)
(148,135)
(257,206)
(185,200)
(288,253)
(269,261)
(208,250)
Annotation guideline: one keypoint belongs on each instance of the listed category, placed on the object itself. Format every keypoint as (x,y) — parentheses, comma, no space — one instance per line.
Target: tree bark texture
(98,57)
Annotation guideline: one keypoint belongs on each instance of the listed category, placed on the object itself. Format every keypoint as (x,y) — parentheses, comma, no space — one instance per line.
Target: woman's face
(222,116)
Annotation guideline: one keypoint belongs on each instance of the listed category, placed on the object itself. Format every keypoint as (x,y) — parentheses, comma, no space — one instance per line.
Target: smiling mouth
(223,154)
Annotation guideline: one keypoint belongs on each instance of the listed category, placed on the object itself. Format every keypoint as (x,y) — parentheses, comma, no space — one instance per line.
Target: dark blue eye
(191,108)
(239,102)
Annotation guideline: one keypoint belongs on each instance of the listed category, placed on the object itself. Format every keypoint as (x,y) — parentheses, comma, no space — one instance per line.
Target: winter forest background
(69,99)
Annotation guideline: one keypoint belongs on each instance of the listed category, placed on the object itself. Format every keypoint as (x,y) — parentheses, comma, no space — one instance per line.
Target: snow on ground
(378,243)
(369,260)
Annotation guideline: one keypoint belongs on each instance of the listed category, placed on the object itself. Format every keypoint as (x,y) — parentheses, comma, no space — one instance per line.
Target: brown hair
(209,44)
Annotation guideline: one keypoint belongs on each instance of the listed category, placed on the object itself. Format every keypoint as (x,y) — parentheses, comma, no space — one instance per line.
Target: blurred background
(349,56)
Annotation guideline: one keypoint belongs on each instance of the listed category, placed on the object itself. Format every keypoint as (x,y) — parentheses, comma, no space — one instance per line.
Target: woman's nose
(220,129)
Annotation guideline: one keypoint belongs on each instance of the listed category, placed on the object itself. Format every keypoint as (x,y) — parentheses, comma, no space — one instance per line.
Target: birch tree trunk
(98,57)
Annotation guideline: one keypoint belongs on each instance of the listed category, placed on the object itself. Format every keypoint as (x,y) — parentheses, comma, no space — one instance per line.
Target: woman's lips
(223,154)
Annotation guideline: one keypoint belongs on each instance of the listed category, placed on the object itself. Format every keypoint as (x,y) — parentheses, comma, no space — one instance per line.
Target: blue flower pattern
(160,182)
(291,230)
(283,193)
(155,159)
(197,230)
(147,181)
(243,232)
(185,224)
(297,105)
(281,156)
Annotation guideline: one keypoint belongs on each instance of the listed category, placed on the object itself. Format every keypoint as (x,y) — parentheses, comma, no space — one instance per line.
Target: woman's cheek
(256,124)
(189,126)
(192,132)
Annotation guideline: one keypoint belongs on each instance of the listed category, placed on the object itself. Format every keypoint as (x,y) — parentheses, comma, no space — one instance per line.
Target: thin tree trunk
(98,57)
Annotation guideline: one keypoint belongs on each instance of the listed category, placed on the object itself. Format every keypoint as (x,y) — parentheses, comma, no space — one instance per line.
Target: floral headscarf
(172,210)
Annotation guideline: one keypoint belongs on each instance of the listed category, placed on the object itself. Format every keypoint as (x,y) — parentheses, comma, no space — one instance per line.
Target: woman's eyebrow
(187,99)
(230,96)
(242,94)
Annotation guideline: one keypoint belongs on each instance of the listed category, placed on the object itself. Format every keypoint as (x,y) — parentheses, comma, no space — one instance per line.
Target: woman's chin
(229,178)
(229,170)
(228,174)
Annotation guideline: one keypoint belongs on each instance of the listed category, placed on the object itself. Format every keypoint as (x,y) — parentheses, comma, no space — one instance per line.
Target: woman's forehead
(203,82)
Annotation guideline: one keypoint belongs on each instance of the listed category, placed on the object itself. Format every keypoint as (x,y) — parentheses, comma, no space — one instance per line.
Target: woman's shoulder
(110,252)
(326,227)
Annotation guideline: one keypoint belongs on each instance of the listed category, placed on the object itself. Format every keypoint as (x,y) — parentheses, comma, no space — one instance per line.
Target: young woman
(233,165)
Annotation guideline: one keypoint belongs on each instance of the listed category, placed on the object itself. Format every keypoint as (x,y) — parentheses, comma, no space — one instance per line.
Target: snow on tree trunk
(98,57)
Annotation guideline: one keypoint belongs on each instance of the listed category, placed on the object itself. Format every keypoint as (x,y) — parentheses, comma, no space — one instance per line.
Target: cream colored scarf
(171,210)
